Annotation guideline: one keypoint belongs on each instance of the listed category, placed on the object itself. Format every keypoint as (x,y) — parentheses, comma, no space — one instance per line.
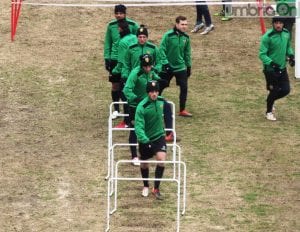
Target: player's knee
(115,87)
(161,156)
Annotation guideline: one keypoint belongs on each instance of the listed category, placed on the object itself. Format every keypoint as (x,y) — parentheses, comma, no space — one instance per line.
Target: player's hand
(292,60)
(275,66)
(167,68)
(148,145)
(188,71)
(107,65)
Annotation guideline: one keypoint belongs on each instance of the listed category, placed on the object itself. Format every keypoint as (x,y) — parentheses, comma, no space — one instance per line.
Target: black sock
(159,171)
(133,139)
(145,174)
(168,116)
(115,97)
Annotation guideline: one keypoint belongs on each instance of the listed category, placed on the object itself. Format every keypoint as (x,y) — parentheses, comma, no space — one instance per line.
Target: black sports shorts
(147,152)
(114,78)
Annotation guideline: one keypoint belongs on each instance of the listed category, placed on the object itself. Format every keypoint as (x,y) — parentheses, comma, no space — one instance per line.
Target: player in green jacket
(111,40)
(135,91)
(135,51)
(126,39)
(132,59)
(274,50)
(149,127)
(175,51)
(135,88)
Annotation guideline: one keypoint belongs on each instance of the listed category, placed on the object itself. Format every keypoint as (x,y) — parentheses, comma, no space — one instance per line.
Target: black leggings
(278,86)
(181,81)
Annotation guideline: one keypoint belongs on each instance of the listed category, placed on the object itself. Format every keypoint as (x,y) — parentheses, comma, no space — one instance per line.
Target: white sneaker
(135,161)
(270,116)
(208,29)
(197,27)
(115,114)
(145,192)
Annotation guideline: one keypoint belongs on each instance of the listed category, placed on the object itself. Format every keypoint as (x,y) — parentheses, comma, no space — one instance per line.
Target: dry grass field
(243,171)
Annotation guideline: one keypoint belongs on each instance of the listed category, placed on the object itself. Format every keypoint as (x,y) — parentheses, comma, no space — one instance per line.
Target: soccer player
(175,50)
(126,39)
(112,37)
(274,50)
(149,127)
(135,91)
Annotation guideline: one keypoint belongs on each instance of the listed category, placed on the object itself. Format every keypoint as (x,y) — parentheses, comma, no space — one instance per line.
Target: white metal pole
(297,41)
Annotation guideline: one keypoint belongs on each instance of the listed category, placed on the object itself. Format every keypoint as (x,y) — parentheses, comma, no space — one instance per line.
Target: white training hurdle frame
(112,173)
(174,147)
(178,181)
(178,149)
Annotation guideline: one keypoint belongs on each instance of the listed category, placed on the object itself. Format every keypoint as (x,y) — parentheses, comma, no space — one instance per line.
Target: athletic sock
(133,139)
(168,116)
(159,171)
(115,97)
(145,174)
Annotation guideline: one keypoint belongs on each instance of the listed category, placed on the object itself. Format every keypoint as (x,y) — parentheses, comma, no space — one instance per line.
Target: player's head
(152,90)
(120,11)
(146,62)
(142,31)
(181,23)
(142,34)
(152,86)
(277,23)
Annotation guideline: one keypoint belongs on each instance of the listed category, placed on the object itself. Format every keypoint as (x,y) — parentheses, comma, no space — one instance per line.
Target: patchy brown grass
(243,172)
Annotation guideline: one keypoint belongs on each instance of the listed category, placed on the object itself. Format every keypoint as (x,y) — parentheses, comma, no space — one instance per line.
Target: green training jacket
(175,49)
(123,46)
(275,46)
(112,37)
(132,57)
(148,123)
(135,88)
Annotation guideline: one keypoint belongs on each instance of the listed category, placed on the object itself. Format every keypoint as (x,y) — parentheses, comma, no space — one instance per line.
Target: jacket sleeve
(162,50)
(263,50)
(289,49)
(122,48)
(139,124)
(187,54)
(158,61)
(126,66)
(107,43)
(129,87)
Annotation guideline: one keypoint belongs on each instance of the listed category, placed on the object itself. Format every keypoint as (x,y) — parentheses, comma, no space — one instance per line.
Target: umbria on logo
(284,8)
